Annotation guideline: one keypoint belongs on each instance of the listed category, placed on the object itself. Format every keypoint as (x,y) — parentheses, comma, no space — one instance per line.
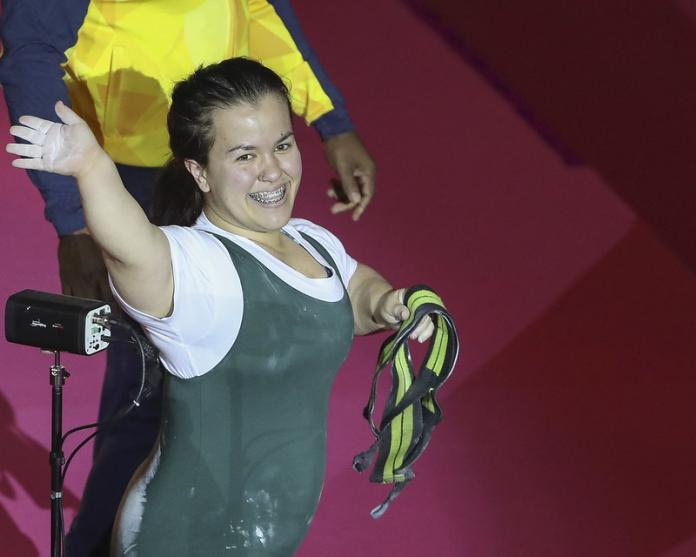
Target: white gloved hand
(68,148)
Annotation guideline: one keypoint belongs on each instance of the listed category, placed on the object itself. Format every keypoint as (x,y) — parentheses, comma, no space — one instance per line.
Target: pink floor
(570,426)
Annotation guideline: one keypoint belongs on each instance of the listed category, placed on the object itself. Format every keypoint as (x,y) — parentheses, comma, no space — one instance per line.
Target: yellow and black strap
(411,411)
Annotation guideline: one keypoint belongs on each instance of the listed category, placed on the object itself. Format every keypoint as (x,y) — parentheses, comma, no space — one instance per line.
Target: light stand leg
(56,459)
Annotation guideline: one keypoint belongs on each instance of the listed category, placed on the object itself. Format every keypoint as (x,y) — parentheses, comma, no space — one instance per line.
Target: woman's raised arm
(136,252)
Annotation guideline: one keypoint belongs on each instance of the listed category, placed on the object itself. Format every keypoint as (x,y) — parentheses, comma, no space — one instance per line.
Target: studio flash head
(57,322)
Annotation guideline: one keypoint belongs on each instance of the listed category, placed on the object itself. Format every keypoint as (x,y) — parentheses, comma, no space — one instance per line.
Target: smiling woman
(236,295)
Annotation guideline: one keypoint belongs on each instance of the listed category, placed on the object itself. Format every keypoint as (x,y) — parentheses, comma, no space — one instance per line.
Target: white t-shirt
(208,302)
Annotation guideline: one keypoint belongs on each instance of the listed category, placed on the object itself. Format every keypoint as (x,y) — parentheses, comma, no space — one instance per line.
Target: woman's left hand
(392,311)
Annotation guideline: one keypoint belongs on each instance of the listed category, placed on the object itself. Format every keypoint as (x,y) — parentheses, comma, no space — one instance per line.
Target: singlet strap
(411,411)
(232,247)
(323,252)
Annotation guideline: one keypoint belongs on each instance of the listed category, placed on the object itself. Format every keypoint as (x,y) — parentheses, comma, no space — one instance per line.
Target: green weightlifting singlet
(240,464)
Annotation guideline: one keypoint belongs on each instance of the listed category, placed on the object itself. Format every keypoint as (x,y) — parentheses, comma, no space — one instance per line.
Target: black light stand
(54,322)
(58,377)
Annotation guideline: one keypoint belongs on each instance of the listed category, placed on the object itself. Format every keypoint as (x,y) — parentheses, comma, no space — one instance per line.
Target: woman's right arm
(136,252)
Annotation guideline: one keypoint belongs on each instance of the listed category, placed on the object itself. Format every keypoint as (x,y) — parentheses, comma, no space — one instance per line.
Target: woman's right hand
(69,148)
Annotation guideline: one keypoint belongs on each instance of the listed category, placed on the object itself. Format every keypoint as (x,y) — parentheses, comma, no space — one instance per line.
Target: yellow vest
(130,53)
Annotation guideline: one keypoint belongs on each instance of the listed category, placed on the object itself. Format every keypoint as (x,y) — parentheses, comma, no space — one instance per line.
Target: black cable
(103,426)
(77,448)
(141,388)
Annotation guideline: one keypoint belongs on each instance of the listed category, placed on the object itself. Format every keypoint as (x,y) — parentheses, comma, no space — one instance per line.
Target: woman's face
(254,168)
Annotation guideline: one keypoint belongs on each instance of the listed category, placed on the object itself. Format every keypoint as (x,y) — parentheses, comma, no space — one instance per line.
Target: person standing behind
(115,63)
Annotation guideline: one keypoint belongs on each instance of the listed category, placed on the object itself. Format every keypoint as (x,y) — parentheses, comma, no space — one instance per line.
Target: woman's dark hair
(177,199)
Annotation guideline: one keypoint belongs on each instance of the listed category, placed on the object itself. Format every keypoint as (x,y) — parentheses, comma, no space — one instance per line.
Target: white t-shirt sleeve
(345,263)
(208,305)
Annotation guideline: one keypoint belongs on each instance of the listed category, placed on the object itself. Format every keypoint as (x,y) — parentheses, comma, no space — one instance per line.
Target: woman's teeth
(269,197)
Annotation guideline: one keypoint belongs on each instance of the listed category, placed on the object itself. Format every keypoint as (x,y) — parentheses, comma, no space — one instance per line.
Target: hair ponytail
(177,198)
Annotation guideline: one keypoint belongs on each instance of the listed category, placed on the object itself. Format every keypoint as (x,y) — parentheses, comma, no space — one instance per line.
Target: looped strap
(411,411)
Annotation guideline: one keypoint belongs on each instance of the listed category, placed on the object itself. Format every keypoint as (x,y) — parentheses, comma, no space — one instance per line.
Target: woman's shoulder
(188,235)
(193,244)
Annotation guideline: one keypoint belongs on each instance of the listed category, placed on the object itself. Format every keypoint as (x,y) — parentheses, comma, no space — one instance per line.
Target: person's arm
(135,251)
(35,35)
(377,305)
(276,38)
